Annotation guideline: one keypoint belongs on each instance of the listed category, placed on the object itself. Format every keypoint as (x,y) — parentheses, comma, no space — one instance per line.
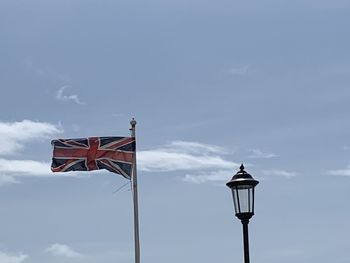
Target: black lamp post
(242,186)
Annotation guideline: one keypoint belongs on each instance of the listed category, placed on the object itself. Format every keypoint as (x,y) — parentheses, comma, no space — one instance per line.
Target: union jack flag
(115,154)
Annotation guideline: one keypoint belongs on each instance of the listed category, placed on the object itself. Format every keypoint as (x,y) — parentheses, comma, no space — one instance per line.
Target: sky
(212,84)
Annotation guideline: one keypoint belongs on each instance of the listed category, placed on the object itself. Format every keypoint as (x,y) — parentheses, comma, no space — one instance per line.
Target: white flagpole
(135,198)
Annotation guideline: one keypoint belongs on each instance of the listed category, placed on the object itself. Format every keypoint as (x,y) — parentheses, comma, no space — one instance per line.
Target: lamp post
(242,186)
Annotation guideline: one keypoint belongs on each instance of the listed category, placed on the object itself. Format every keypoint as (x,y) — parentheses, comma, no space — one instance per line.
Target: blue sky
(212,85)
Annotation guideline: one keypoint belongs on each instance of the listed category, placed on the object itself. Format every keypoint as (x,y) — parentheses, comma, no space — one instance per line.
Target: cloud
(346,148)
(258,154)
(225,175)
(215,176)
(340,172)
(63,251)
(181,155)
(44,72)
(30,65)
(11,170)
(175,156)
(282,173)
(240,70)
(7,179)
(12,258)
(13,135)
(28,167)
(62,97)
(202,162)
(195,147)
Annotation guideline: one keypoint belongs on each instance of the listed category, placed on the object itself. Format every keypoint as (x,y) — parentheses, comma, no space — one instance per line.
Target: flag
(115,154)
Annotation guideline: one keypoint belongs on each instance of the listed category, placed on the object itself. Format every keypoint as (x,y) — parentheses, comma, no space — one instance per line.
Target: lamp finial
(241,167)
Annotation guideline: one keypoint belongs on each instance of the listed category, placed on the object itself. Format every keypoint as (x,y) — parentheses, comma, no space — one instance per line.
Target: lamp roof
(242,178)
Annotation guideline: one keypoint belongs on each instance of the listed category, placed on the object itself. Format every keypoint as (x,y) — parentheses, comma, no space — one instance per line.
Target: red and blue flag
(115,154)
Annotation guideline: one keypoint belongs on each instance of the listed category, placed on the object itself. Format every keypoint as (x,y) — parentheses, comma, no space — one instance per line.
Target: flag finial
(133,123)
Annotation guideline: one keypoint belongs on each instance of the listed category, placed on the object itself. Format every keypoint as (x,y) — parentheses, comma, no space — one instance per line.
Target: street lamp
(242,186)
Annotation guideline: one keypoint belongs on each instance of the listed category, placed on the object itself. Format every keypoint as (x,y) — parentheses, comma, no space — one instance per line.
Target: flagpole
(135,198)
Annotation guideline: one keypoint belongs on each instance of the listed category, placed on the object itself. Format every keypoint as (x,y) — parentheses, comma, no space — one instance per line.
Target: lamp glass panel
(235,199)
(245,199)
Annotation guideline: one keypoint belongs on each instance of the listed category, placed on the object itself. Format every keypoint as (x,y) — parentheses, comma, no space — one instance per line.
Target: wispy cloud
(44,72)
(63,250)
(340,172)
(346,148)
(277,172)
(185,156)
(24,167)
(8,179)
(195,147)
(201,163)
(12,258)
(175,156)
(214,176)
(30,65)
(239,70)
(13,135)
(258,154)
(12,170)
(71,97)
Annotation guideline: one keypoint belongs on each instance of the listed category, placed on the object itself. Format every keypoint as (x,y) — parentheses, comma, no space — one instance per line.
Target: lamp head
(242,186)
